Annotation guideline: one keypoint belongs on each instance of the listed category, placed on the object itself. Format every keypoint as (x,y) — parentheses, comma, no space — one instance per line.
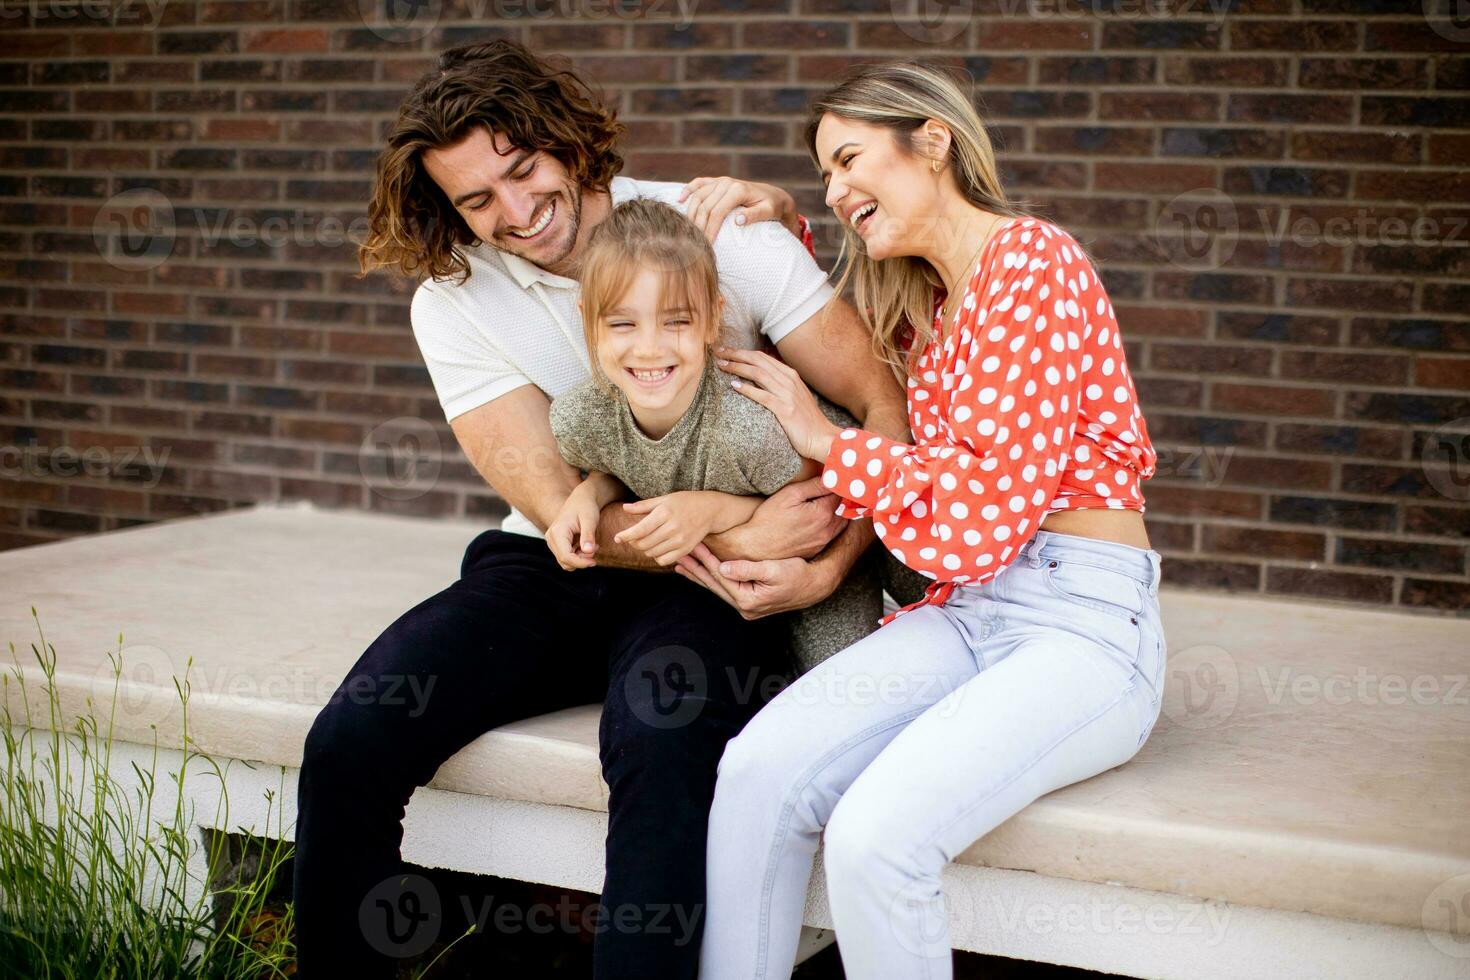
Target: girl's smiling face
(654,348)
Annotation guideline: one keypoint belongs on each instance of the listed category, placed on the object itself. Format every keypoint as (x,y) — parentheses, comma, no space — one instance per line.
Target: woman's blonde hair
(647,234)
(897,294)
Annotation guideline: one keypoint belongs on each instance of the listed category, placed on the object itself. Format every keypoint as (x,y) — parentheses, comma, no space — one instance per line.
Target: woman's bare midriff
(1120,526)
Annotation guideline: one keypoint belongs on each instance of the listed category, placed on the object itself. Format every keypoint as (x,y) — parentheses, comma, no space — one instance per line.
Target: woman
(1034,659)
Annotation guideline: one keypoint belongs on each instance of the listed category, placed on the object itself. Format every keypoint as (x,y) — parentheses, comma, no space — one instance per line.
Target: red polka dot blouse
(1026,409)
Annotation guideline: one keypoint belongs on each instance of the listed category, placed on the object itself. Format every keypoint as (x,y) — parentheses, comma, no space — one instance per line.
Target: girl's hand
(711,199)
(779,388)
(572,537)
(676,522)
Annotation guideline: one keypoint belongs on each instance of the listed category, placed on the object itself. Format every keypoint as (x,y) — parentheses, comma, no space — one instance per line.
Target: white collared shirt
(512,323)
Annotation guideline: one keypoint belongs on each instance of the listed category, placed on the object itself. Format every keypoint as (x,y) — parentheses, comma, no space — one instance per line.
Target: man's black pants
(679,671)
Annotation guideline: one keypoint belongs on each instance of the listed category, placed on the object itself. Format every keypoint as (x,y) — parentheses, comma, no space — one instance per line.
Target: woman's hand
(676,522)
(711,199)
(779,388)
(572,536)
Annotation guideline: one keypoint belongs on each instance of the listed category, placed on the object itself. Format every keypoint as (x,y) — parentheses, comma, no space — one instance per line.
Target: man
(495,173)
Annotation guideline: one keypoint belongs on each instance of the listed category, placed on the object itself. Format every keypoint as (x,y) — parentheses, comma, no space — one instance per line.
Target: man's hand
(759,588)
(711,199)
(797,521)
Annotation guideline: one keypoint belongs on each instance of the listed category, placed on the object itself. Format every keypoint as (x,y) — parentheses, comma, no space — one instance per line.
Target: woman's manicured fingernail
(735,383)
(740,219)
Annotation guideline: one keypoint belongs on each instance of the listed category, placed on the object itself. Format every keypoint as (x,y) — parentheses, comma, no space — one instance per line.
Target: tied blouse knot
(1025,409)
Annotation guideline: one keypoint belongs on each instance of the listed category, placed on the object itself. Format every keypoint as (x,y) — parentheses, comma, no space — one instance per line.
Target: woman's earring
(935,164)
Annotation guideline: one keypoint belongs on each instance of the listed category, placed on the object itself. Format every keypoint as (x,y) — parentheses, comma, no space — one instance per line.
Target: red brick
(1442,372)
(284,40)
(1271,399)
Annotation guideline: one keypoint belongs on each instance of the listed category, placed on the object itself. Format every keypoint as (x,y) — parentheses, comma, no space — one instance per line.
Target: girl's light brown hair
(499,86)
(647,234)
(899,96)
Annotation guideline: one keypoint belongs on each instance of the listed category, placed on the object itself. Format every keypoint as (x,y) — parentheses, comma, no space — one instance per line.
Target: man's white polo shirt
(512,323)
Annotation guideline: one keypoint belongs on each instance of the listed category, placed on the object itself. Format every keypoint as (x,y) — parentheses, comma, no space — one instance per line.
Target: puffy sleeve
(989,460)
(807,238)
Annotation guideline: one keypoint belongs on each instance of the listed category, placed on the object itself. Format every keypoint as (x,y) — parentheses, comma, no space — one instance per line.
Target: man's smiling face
(520,201)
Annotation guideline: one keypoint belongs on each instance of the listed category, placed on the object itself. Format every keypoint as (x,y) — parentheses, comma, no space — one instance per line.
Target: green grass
(96,885)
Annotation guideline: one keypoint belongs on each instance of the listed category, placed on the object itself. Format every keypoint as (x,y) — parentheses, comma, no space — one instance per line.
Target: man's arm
(510,443)
(833,354)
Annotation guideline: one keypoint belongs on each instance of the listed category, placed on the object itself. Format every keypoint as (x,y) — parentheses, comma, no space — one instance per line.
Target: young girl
(1019,499)
(658,419)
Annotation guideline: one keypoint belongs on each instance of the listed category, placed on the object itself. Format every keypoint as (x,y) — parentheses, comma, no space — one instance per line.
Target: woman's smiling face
(887,196)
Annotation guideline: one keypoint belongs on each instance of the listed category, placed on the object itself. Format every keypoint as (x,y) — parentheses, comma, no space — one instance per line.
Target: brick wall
(1276,190)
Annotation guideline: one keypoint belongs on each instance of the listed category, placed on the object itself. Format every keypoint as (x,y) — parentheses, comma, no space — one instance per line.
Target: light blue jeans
(913,743)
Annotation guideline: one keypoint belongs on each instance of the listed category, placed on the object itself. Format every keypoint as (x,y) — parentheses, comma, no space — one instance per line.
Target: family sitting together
(716,466)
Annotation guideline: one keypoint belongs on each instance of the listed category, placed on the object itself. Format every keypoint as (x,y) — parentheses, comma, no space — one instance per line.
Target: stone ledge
(1268,795)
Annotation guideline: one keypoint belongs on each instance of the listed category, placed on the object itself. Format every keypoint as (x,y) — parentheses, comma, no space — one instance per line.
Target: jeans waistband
(1134,562)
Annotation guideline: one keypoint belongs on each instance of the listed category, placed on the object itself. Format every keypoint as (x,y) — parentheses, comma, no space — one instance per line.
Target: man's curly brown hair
(503,87)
